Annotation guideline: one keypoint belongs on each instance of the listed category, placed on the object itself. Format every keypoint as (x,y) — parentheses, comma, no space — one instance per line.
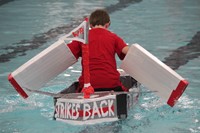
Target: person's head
(99,18)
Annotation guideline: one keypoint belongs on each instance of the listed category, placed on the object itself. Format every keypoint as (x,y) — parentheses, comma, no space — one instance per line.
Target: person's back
(103,45)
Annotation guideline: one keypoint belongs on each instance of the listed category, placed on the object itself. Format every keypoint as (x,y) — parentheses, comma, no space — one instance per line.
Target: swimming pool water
(160,26)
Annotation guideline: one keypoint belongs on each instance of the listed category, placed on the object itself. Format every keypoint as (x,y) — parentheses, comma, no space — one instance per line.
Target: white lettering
(95,110)
(86,109)
(92,110)
(73,110)
(59,106)
(110,104)
(76,115)
(62,111)
(104,114)
(68,108)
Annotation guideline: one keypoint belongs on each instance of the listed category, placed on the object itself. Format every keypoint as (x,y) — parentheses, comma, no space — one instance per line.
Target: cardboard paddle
(154,74)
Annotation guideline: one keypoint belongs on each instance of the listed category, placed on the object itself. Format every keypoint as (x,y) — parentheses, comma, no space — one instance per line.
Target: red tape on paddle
(176,94)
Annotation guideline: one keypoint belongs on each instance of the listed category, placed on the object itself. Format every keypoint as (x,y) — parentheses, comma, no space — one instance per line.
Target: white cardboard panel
(44,66)
(150,71)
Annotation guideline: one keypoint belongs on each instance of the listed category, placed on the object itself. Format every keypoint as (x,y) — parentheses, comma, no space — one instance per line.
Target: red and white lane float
(100,106)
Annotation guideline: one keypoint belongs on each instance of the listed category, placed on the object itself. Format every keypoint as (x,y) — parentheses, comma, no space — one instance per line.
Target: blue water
(160,26)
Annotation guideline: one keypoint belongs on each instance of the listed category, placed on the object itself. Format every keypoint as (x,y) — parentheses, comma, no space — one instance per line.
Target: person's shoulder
(115,35)
(112,33)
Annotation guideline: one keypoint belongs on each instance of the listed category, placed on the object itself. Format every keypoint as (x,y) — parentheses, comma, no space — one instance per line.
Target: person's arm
(75,48)
(125,50)
(121,47)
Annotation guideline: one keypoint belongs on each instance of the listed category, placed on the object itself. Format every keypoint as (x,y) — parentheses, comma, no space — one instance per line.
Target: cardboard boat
(102,106)
(105,106)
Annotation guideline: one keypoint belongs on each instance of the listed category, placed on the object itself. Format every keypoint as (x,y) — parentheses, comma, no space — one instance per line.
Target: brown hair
(99,17)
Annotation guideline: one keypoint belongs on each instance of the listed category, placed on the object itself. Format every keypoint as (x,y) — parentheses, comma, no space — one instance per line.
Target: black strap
(118,88)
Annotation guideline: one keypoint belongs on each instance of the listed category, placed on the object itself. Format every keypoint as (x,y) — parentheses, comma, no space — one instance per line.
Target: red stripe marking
(86,19)
(17,87)
(176,94)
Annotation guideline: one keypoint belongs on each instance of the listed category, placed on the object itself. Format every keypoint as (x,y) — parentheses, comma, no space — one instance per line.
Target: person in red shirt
(103,46)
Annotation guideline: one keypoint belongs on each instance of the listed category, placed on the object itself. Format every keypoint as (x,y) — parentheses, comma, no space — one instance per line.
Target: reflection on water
(184,54)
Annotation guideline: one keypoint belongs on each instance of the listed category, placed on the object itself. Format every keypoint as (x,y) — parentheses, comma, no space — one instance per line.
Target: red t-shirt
(103,45)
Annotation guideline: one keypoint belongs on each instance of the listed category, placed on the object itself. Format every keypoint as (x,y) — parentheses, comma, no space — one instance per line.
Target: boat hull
(105,106)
